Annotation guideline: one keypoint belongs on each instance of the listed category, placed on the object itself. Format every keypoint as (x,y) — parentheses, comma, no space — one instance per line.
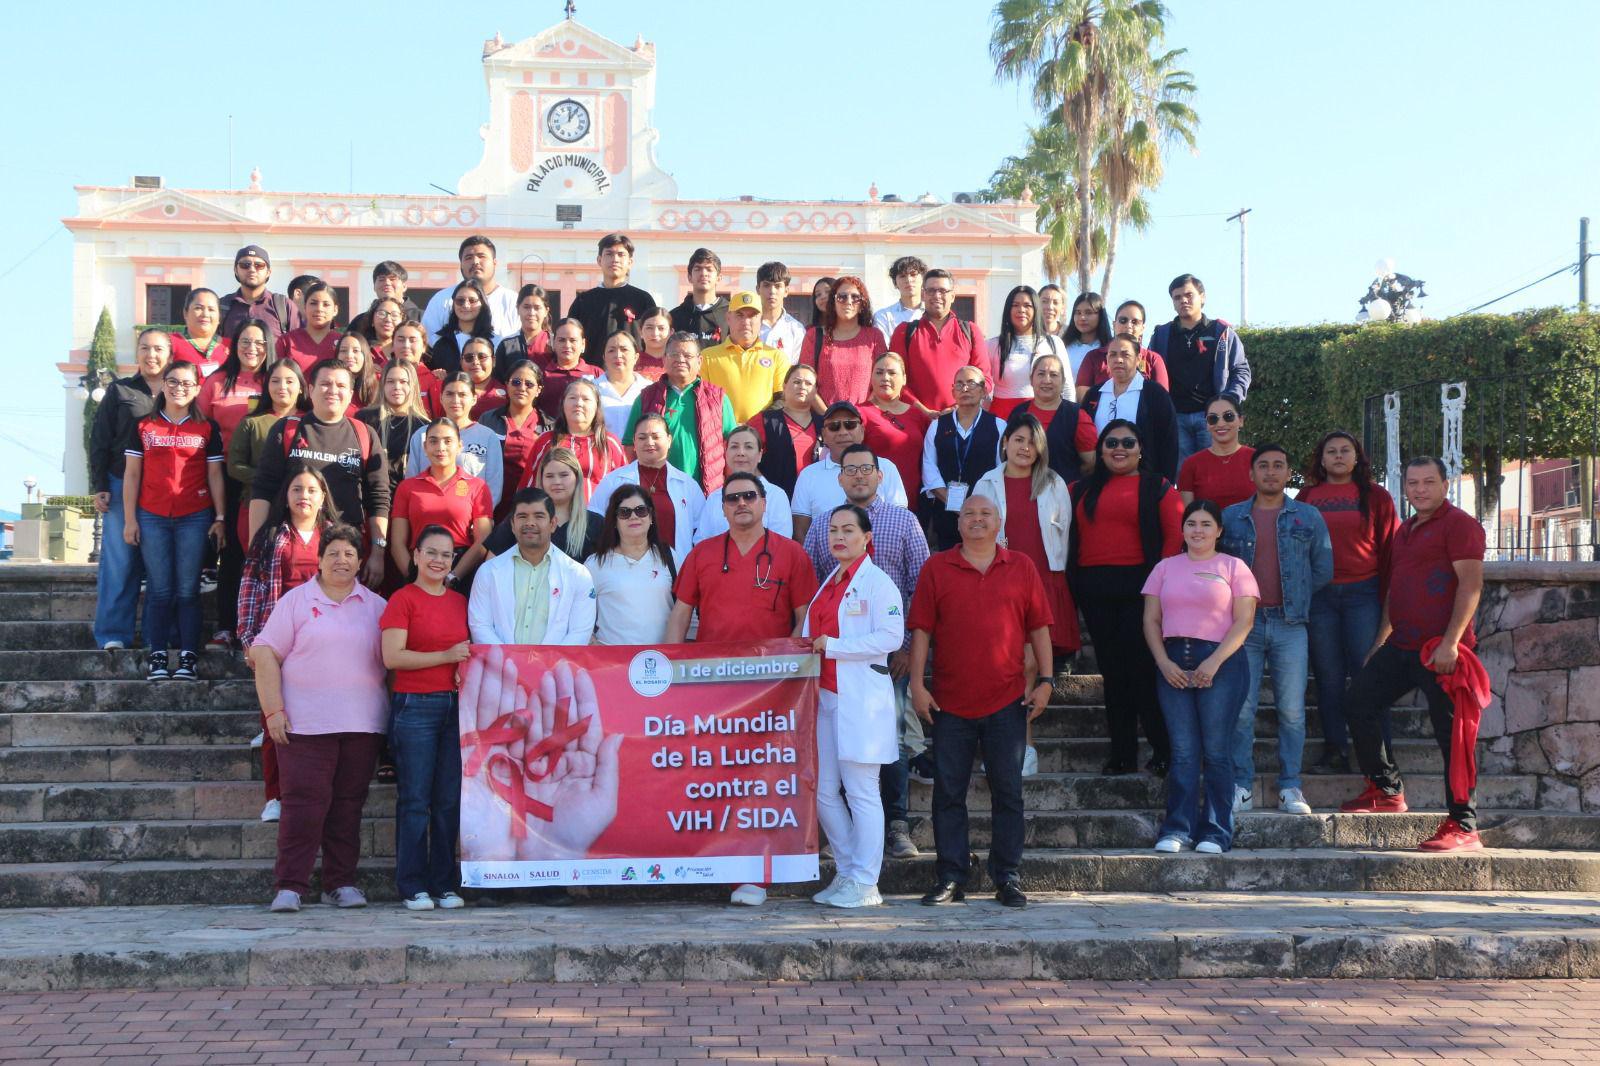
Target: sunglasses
(841,425)
(747,496)
(251,264)
(641,511)
(846,298)
(1226,416)
(522,383)
(1125,443)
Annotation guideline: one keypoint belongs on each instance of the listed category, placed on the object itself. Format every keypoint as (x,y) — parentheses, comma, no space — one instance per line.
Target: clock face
(568,121)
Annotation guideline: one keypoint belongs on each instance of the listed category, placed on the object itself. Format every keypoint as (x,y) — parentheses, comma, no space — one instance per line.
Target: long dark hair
(278,514)
(1008,332)
(484,326)
(302,401)
(611,537)
(816,316)
(1100,476)
(1361,476)
(1102,331)
(231,367)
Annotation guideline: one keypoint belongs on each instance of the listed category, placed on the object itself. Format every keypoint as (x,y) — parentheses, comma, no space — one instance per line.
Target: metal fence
(1521,455)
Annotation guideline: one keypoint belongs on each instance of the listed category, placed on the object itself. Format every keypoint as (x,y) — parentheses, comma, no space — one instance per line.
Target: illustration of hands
(539,777)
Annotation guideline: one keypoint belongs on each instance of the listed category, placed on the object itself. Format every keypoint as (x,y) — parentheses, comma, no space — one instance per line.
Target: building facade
(569,155)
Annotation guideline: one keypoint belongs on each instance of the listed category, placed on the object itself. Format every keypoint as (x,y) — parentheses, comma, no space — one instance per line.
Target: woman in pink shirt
(843,345)
(320,679)
(1198,609)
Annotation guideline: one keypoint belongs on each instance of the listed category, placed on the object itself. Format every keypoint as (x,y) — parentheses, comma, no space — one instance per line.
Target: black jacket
(126,401)
(1157,420)
(604,311)
(710,325)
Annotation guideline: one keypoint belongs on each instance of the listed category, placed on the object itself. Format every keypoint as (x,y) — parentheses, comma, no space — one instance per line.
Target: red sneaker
(1451,837)
(1376,801)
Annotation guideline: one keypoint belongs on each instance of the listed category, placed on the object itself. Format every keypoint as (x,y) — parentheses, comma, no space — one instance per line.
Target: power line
(1559,270)
(31,253)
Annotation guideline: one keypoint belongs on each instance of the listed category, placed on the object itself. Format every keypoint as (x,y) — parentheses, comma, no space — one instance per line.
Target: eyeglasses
(388,316)
(1226,416)
(1129,320)
(858,469)
(747,496)
(1125,443)
(251,264)
(184,385)
(842,425)
(625,513)
(964,384)
(926,291)
(435,553)
(245,345)
(846,298)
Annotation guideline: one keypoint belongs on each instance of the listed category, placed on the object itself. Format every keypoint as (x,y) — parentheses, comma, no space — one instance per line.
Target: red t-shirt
(307,353)
(975,678)
(731,605)
(1111,537)
(1222,479)
(804,439)
(228,409)
(655,483)
(824,619)
(1022,523)
(455,505)
(556,381)
(432,623)
(898,438)
(1268,571)
(845,372)
(1092,372)
(176,456)
(184,351)
(1084,437)
(1360,545)
(1422,577)
(936,355)
(303,562)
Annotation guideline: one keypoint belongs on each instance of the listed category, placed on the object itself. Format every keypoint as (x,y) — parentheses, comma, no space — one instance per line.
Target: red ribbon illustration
(512,788)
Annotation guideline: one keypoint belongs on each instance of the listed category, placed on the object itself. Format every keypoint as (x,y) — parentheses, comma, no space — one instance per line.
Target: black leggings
(1113,609)
(230,568)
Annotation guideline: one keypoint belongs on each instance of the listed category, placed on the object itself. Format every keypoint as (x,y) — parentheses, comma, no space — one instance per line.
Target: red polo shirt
(307,353)
(731,605)
(209,361)
(935,356)
(824,619)
(175,455)
(432,623)
(1422,575)
(455,505)
(975,676)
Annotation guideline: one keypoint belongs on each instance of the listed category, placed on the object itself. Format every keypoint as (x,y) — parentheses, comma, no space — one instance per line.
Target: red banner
(679,764)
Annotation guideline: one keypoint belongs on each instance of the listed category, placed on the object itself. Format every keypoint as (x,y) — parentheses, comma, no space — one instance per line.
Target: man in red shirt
(938,344)
(977,697)
(1435,580)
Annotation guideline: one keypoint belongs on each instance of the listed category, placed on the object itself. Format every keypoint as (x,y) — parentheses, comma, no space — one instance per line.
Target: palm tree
(1046,170)
(1152,113)
(1078,55)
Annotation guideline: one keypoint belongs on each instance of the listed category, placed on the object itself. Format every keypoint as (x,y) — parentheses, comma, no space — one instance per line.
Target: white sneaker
(272,811)
(1243,800)
(259,739)
(113,645)
(1293,801)
(451,901)
(287,901)
(855,894)
(1171,844)
(1030,761)
(345,897)
(1208,847)
(420,902)
(749,896)
(827,894)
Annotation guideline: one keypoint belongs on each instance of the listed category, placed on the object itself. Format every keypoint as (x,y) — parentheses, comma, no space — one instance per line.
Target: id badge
(855,608)
(955,496)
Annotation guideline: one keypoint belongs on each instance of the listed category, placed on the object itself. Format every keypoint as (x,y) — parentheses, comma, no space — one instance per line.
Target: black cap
(840,405)
(255,250)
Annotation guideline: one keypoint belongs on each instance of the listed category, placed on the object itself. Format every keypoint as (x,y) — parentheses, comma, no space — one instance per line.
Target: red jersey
(596,463)
(1422,575)
(307,353)
(432,623)
(1222,479)
(176,456)
(455,505)
(184,351)
(757,597)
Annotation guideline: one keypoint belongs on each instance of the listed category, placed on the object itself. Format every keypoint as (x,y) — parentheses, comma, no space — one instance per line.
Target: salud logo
(650,673)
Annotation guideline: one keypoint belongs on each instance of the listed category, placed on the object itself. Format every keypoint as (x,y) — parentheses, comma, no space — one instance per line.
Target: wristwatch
(380,542)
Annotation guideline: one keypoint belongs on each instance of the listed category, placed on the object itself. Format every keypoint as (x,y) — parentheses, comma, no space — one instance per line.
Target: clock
(568,121)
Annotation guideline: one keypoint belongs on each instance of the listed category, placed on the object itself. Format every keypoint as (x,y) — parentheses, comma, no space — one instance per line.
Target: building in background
(569,155)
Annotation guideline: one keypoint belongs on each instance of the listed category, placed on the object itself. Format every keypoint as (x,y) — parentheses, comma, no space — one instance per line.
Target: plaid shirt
(260,587)
(899,549)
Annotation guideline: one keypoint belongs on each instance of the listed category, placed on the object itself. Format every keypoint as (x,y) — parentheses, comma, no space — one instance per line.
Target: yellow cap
(744,301)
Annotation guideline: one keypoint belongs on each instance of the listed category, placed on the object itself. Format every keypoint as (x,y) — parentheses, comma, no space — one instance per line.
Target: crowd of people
(888,484)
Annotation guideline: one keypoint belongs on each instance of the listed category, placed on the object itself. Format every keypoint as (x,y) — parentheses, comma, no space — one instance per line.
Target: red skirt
(1064,632)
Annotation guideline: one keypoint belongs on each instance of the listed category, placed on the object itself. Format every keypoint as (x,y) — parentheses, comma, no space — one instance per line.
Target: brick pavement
(1244,1022)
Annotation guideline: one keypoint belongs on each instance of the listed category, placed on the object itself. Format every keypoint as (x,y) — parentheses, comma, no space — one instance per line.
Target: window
(965,307)
(341,296)
(163,304)
(420,297)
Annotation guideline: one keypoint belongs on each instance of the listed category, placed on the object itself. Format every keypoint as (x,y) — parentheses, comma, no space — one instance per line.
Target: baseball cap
(255,250)
(744,301)
(841,407)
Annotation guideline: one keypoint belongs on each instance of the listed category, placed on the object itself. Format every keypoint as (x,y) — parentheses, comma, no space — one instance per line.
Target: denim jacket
(1305,554)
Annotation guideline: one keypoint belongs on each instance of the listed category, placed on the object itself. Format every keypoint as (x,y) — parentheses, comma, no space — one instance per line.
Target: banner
(679,764)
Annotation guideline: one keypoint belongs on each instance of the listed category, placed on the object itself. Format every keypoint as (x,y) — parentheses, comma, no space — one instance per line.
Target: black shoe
(944,892)
(1116,768)
(1157,765)
(188,667)
(553,897)
(920,768)
(1333,761)
(1010,894)
(158,667)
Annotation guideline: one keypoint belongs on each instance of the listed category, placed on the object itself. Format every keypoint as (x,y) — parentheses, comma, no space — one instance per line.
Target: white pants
(854,822)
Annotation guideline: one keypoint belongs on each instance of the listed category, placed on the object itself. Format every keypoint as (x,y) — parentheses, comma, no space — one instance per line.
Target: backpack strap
(291,434)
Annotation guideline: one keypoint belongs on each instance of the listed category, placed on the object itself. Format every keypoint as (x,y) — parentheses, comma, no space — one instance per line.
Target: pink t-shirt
(332,658)
(846,369)
(1197,596)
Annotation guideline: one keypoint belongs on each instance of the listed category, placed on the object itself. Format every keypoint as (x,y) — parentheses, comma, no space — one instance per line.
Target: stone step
(95,728)
(22,636)
(57,842)
(1058,937)
(48,605)
(155,762)
(43,697)
(1089,754)
(217,881)
(1089,720)
(127,664)
(151,801)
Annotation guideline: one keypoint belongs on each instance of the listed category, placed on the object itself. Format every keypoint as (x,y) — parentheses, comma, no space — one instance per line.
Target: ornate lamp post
(1390,297)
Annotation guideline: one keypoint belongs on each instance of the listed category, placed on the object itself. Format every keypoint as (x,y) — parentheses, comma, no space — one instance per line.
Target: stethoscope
(763,581)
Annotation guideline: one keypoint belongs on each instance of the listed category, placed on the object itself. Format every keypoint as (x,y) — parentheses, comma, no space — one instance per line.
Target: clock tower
(569,142)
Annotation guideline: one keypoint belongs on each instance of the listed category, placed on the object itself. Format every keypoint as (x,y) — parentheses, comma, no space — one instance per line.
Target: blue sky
(1454,137)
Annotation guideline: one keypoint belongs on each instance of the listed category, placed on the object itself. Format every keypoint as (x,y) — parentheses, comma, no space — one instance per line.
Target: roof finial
(572,9)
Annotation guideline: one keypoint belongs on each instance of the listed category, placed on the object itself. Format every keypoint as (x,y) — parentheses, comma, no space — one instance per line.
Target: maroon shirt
(1422,576)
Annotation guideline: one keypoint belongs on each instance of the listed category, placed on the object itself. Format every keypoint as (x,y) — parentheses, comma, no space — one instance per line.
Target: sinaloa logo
(650,673)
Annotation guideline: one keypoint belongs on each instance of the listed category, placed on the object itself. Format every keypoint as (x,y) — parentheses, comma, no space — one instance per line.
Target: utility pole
(230,152)
(1583,264)
(1244,263)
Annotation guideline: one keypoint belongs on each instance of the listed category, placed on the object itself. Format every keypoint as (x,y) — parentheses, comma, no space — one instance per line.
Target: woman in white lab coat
(855,623)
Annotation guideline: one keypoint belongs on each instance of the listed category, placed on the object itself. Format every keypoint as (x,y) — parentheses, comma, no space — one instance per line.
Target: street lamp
(93,385)
(1389,296)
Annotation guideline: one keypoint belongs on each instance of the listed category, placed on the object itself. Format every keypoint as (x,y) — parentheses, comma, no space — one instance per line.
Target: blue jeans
(1344,622)
(425,741)
(956,741)
(1193,436)
(894,778)
(1283,645)
(121,570)
(1200,723)
(174,550)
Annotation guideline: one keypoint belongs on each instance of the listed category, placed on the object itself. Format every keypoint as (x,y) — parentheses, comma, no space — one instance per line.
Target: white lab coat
(868,710)
(491,612)
(687,500)
(1055,512)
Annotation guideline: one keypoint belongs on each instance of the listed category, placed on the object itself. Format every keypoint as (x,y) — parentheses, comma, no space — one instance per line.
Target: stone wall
(1539,637)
